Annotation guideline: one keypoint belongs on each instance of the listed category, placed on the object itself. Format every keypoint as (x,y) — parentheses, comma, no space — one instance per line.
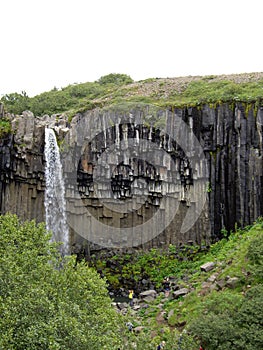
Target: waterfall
(55,204)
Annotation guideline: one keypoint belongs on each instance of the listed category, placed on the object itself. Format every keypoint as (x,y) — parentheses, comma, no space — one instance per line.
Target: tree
(47,302)
(115,78)
(16,103)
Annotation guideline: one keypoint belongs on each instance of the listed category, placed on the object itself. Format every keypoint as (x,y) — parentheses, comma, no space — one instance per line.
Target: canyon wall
(142,177)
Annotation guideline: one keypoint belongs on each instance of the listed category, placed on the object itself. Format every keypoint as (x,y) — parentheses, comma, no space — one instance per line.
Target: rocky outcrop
(141,178)
(1,111)
(22,184)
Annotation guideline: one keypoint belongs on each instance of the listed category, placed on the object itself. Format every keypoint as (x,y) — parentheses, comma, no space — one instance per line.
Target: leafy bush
(115,78)
(47,302)
(5,127)
(230,323)
(16,103)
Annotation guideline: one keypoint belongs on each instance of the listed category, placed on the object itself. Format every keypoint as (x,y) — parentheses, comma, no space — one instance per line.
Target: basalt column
(137,184)
(231,140)
(22,165)
(122,168)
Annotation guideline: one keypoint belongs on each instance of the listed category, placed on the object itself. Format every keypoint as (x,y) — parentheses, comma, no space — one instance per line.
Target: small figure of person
(161,345)
(201,348)
(166,285)
(131,294)
(130,326)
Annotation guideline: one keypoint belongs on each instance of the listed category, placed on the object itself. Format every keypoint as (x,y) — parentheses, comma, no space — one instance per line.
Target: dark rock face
(22,167)
(121,172)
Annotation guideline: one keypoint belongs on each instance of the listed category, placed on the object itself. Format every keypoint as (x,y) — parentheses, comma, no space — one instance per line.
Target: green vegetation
(70,99)
(119,91)
(115,79)
(47,302)
(202,91)
(50,302)
(231,321)
(5,127)
(215,314)
(16,103)
(154,265)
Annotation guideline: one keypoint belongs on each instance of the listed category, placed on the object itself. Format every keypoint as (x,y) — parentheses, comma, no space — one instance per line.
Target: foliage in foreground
(47,303)
(230,322)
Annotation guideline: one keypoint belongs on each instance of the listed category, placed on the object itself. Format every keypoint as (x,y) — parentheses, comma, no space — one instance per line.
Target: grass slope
(119,89)
(224,308)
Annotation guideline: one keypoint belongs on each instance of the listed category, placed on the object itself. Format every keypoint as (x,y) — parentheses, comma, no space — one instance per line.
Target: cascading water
(55,204)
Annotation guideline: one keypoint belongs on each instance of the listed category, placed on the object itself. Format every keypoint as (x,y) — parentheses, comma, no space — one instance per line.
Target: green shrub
(255,256)
(5,127)
(47,302)
(229,322)
(115,78)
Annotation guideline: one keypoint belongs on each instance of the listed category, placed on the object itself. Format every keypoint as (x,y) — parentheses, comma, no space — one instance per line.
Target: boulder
(122,306)
(136,307)
(207,266)
(232,282)
(138,329)
(212,278)
(148,293)
(221,284)
(148,299)
(179,293)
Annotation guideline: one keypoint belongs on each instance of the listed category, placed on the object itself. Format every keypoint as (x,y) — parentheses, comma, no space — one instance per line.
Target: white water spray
(55,204)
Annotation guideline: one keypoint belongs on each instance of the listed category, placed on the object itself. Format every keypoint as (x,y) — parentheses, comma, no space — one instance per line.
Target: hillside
(215,297)
(120,89)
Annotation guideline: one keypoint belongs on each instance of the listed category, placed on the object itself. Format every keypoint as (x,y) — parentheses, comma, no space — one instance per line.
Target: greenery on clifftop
(114,89)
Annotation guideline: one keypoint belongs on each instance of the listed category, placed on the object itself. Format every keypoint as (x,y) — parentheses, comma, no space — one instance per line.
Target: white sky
(48,43)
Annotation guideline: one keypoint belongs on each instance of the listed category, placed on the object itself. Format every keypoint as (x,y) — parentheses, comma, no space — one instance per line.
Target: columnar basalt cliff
(117,178)
(22,185)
